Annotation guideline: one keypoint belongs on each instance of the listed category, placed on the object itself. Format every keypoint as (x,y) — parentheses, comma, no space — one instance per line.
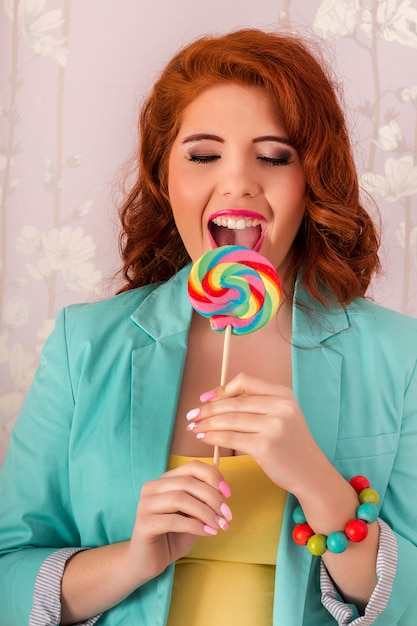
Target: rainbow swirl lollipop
(234,286)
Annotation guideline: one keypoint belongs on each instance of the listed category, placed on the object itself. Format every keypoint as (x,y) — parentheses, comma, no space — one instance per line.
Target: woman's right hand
(173,511)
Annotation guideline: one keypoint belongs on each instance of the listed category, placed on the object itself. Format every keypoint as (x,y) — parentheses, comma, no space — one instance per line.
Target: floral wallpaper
(71,77)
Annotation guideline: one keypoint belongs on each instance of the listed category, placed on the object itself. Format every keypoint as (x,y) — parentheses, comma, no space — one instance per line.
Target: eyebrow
(275,138)
(263,138)
(202,136)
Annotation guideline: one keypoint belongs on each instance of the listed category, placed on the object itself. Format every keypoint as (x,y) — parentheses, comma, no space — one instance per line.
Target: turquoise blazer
(98,419)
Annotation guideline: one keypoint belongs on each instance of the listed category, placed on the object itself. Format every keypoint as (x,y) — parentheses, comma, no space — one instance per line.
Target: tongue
(248,237)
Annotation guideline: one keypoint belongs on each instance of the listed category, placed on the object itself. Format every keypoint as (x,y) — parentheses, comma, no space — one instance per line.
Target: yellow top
(229,578)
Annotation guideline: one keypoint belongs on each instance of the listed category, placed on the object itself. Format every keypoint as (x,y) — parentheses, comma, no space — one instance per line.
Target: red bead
(302,533)
(356,530)
(359,483)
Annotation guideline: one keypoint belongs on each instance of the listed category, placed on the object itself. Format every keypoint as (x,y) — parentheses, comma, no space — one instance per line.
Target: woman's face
(234,177)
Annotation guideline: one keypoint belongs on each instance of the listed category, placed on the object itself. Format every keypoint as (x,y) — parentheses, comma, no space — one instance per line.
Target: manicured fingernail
(191,426)
(200,435)
(226,512)
(192,414)
(208,395)
(209,530)
(224,488)
(222,522)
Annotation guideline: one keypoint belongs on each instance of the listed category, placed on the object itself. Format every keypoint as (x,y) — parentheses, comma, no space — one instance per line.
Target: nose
(237,180)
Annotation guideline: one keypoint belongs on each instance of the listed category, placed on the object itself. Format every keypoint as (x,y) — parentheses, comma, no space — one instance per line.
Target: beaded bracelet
(356,530)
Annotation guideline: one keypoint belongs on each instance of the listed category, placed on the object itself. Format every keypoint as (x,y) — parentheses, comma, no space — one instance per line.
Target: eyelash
(274,162)
(200,158)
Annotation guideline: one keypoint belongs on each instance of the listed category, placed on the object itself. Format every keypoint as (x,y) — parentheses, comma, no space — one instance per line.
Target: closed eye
(203,158)
(276,161)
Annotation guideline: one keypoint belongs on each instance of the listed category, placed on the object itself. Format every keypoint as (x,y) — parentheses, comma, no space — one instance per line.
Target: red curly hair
(336,248)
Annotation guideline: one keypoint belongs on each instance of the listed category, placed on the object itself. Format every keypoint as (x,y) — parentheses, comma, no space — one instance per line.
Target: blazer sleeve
(399,510)
(35,502)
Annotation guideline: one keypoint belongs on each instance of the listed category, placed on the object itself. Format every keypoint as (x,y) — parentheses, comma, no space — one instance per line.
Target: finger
(184,490)
(154,509)
(244,384)
(236,421)
(203,472)
(182,484)
(199,479)
(245,442)
(177,523)
(237,406)
(244,407)
(183,504)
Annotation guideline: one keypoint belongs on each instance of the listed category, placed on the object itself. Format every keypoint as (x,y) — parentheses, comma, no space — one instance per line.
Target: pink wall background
(71,77)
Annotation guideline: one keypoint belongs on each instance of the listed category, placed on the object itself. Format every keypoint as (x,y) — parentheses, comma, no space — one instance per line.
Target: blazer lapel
(317,366)
(317,386)
(157,365)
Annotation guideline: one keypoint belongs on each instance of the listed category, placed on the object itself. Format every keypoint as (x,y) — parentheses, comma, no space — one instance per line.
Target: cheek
(181,186)
(290,203)
(298,195)
(171,179)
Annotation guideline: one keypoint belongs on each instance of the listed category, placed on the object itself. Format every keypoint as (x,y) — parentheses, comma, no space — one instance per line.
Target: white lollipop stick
(223,380)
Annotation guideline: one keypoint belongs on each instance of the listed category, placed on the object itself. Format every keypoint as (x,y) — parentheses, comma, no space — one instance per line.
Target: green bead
(298,516)
(369,495)
(317,545)
(337,542)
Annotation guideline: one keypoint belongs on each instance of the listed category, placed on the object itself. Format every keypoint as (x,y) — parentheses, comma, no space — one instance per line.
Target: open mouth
(236,228)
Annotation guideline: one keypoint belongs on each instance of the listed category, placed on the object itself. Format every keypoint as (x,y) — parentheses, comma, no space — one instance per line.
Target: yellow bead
(369,495)
(317,545)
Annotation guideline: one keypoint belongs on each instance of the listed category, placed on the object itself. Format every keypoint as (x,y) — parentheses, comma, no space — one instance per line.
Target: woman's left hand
(263,419)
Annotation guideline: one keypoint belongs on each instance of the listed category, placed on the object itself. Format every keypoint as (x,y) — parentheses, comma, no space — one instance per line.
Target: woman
(127,521)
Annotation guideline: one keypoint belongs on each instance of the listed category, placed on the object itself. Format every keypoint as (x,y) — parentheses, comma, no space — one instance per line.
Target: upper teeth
(236,224)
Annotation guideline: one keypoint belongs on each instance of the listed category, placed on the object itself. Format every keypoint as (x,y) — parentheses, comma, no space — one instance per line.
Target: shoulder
(126,304)
(383,338)
(361,323)
(120,306)
(369,316)
(153,310)
(98,321)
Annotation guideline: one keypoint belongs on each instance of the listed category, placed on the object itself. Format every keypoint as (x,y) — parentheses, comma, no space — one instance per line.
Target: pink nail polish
(193,414)
(225,489)
(200,435)
(222,522)
(191,426)
(208,395)
(209,530)
(226,512)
